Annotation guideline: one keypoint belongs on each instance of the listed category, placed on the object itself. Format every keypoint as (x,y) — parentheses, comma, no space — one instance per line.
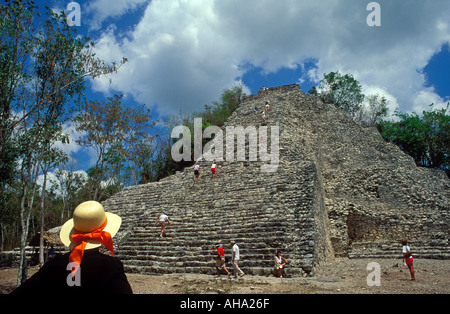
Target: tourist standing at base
(407,258)
(279,265)
(163,220)
(235,259)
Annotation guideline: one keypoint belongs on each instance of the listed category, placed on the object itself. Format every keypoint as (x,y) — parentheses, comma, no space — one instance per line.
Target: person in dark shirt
(84,270)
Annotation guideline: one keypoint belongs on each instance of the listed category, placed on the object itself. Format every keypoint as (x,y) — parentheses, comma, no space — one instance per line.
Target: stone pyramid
(339,190)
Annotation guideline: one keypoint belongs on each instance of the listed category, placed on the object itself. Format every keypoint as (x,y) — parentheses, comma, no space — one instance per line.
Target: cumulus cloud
(392,100)
(71,146)
(425,98)
(175,57)
(182,54)
(100,10)
(53,182)
(85,154)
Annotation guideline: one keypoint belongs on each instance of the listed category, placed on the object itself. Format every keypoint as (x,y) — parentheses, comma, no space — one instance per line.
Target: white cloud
(71,146)
(424,99)
(175,57)
(51,180)
(54,184)
(392,100)
(183,53)
(100,10)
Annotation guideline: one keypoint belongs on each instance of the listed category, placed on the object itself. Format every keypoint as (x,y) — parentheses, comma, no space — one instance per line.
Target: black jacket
(99,274)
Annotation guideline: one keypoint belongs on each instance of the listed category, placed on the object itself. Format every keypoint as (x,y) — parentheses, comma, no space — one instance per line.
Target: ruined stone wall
(376,195)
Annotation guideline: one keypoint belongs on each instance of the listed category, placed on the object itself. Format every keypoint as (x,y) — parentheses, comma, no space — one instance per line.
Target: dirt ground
(341,276)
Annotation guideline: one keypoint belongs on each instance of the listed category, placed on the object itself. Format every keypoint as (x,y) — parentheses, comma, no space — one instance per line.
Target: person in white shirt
(163,220)
(407,258)
(196,172)
(279,265)
(235,260)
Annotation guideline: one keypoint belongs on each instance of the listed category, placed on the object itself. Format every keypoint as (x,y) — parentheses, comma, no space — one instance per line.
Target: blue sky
(183,53)
(437,72)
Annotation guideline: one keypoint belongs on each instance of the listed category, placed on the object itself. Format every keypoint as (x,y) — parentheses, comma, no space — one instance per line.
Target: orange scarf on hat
(82,238)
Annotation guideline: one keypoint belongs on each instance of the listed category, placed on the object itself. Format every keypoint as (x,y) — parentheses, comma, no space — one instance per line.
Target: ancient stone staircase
(339,190)
(262,212)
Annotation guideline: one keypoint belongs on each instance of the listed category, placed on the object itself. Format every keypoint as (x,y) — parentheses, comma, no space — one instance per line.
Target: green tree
(68,183)
(219,112)
(437,136)
(373,110)
(407,134)
(115,132)
(102,124)
(424,138)
(215,114)
(344,91)
(43,67)
(16,47)
(52,157)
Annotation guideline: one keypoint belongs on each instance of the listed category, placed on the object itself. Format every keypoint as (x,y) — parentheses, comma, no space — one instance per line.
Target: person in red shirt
(220,262)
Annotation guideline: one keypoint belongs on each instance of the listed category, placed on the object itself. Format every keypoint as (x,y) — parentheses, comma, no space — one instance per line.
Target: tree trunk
(25,224)
(41,236)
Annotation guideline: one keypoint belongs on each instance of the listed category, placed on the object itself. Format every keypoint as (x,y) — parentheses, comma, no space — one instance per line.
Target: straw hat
(87,217)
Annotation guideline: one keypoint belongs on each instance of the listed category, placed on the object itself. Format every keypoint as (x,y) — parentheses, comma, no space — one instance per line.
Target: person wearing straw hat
(84,270)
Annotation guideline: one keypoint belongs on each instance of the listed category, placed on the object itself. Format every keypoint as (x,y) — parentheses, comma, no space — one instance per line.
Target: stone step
(386,250)
(207,269)
(253,260)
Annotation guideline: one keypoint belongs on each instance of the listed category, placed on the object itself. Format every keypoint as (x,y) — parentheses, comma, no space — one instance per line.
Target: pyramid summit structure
(338,190)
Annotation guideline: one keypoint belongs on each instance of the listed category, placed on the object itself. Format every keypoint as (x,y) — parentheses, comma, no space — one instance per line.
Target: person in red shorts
(213,169)
(407,258)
